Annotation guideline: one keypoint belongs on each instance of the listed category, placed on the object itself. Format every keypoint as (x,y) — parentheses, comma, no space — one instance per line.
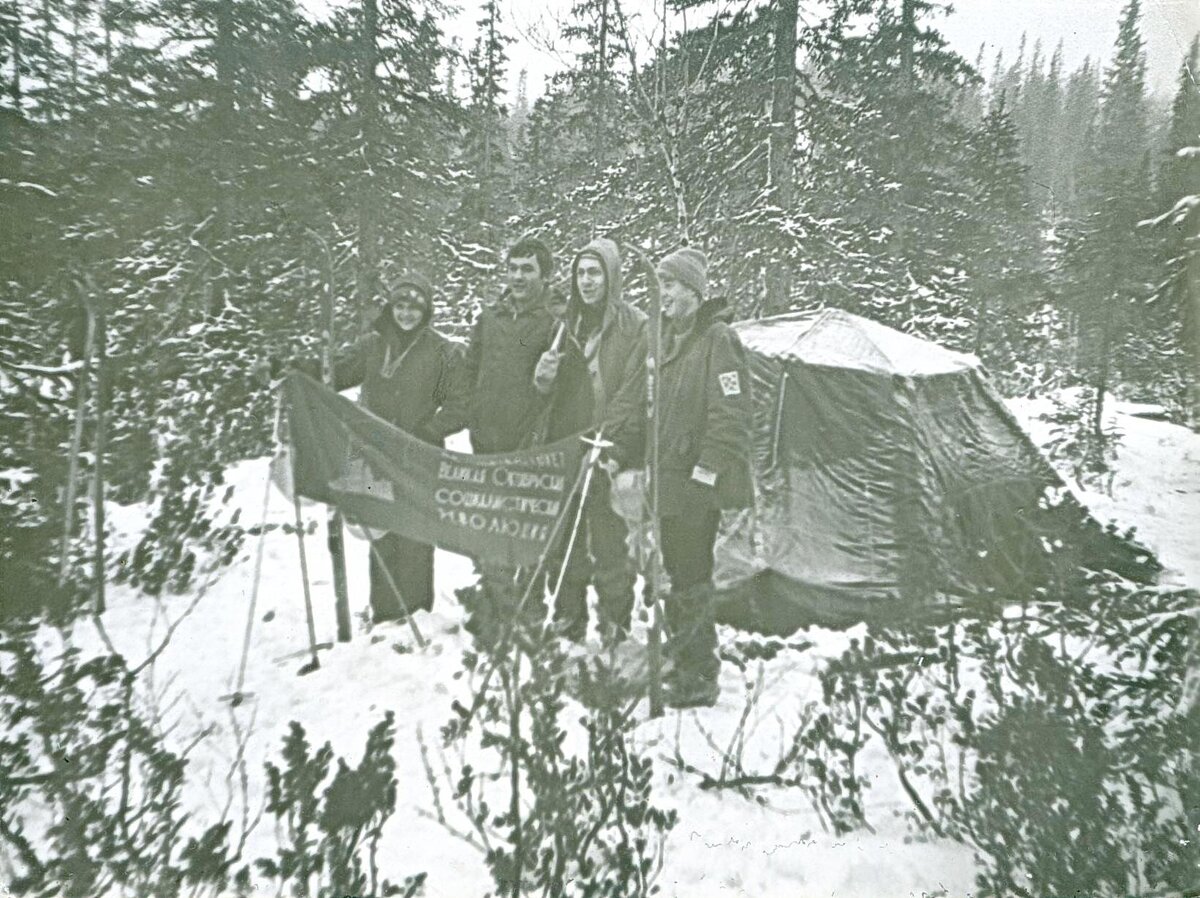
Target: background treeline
(184,180)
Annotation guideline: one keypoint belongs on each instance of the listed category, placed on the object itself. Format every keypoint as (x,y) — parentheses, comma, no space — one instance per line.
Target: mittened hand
(546,370)
(628,495)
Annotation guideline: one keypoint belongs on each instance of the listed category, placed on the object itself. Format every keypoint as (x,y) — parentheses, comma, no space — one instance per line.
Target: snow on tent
(892,480)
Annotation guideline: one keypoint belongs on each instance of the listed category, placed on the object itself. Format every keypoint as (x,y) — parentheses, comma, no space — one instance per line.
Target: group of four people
(538,368)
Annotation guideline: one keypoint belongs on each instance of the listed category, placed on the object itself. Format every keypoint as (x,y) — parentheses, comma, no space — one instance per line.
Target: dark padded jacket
(705,419)
(412,382)
(602,377)
(503,409)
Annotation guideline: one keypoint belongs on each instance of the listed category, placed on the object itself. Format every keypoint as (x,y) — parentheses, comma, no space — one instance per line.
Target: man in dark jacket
(705,418)
(503,408)
(598,381)
(409,376)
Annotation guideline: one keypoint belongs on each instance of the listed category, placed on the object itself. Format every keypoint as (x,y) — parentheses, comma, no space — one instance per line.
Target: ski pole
(237,697)
(654,572)
(315,662)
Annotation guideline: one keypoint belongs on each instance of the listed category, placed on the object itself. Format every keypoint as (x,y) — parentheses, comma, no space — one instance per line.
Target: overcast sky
(1086,28)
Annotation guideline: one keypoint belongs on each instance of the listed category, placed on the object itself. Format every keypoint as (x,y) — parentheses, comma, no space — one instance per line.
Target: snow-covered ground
(723,843)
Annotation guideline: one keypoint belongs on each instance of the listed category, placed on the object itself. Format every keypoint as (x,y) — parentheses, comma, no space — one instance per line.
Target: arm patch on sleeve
(731,384)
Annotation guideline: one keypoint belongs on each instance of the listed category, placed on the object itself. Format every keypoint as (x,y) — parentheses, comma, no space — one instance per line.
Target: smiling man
(508,339)
(505,411)
(704,434)
(597,378)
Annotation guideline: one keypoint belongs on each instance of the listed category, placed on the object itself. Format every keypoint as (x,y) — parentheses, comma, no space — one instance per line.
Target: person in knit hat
(597,382)
(410,376)
(689,267)
(704,438)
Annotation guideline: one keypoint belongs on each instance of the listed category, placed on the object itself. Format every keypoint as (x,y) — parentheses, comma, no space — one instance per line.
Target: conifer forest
(189,187)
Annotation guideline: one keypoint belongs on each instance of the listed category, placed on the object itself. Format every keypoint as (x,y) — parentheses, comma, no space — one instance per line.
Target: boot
(692,648)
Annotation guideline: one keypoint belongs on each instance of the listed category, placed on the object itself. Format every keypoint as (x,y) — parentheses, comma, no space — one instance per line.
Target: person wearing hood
(596,380)
(409,376)
(704,438)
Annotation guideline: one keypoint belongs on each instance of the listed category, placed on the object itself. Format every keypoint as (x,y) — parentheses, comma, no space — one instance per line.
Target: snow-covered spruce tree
(1003,242)
(552,820)
(1107,263)
(34,420)
(888,162)
(1175,308)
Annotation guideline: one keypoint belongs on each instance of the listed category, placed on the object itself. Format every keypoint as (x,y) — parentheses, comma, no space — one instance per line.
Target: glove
(629,494)
(546,370)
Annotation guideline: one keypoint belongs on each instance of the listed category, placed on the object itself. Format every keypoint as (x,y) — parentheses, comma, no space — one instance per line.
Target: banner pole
(336,537)
(315,661)
(238,696)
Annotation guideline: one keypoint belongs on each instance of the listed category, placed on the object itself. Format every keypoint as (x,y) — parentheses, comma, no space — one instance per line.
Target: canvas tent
(891,479)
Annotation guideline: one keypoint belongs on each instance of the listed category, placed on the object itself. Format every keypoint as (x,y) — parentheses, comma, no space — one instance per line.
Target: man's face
(590,280)
(525,277)
(678,301)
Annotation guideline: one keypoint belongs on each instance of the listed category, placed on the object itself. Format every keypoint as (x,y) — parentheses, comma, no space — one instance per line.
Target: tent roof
(836,339)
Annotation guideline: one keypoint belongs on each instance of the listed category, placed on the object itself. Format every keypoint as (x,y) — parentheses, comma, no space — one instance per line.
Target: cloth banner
(500,507)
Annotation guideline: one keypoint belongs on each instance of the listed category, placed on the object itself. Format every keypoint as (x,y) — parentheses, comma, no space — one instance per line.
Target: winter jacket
(602,377)
(409,380)
(503,409)
(705,419)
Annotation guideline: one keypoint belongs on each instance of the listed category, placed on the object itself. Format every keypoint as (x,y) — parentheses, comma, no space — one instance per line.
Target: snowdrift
(892,481)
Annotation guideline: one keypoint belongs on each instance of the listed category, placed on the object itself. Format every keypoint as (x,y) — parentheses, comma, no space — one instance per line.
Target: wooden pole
(654,572)
(336,539)
(98,570)
(76,446)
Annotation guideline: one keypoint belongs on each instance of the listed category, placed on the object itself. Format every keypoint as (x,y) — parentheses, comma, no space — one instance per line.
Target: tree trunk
(85,373)
(783,139)
(908,25)
(14,43)
(600,122)
(100,448)
(366,278)
(74,41)
(224,114)
(1191,301)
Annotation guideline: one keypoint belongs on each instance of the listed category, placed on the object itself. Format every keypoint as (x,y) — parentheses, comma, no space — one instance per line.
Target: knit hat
(689,266)
(413,281)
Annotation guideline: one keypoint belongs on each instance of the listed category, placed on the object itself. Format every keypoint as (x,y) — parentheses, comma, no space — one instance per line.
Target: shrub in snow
(89,795)
(557,809)
(1054,738)
(329,840)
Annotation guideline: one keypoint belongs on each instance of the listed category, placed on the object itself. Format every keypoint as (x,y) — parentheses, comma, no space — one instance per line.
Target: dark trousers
(600,557)
(410,566)
(687,554)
